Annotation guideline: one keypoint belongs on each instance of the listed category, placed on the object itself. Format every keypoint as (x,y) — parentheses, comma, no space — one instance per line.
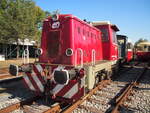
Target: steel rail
(129,67)
(76,104)
(55,109)
(17,105)
(52,109)
(119,101)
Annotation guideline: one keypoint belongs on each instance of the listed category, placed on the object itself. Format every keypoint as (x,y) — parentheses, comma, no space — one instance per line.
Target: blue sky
(131,16)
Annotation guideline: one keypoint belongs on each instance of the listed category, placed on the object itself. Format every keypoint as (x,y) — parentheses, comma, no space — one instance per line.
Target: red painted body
(129,51)
(129,55)
(85,43)
(72,33)
(109,42)
(143,56)
(142,51)
(72,91)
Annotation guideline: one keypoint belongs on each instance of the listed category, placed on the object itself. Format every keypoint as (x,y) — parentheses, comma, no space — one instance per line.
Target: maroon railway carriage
(143,51)
(72,58)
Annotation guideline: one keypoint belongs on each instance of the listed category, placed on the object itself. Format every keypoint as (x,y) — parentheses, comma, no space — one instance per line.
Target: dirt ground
(6,63)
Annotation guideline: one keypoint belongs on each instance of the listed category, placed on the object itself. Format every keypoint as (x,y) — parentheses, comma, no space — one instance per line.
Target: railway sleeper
(91,109)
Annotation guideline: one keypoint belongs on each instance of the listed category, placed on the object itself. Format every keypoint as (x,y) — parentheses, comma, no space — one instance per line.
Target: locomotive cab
(109,40)
(122,42)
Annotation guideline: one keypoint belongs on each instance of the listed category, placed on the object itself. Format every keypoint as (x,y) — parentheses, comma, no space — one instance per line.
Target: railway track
(39,105)
(12,91)
(101,99)
(106,99)
(139,98)
(120,100)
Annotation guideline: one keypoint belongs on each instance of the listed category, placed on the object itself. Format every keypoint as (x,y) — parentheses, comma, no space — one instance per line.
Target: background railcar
(130,52)
(142,51)
(122,43)
(125,49)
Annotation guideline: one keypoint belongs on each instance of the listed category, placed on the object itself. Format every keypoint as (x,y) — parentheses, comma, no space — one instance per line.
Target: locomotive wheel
(109,74)
(96,81)
(102,77)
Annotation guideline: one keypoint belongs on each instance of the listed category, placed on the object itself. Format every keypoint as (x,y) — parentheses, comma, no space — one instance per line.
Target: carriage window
(104,35)
(88,33)
(91,35)
(94,36)
(79,30)
(129,46)
(83,32)
(114,37)
(149,48)
(145,47)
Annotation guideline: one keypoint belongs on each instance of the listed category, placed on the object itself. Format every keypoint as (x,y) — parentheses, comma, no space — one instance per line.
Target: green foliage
(20,19)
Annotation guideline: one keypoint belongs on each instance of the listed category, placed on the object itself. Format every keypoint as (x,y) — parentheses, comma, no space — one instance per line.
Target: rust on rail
(120,100)
(55,109)
(17,105)
(10,108)
(76,104)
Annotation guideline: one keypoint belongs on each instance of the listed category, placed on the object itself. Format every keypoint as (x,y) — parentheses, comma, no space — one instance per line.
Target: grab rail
(93,56)
(25,56)
(81,53)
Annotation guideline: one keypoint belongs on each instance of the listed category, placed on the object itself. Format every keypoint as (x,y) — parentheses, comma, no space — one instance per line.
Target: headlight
(39,51)
(69,52)
(61,77)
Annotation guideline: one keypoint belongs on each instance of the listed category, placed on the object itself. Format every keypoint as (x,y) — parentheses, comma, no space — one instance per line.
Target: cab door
(114,46)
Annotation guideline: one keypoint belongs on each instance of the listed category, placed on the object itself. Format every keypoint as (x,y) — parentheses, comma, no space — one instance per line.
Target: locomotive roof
(76,18)
(113,26)
(122,37)
(144,43)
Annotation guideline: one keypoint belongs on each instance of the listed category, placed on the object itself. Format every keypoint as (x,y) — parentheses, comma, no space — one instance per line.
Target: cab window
(104,34)
(114,38)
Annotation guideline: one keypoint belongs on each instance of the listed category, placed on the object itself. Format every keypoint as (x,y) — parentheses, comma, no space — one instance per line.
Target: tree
(20,19)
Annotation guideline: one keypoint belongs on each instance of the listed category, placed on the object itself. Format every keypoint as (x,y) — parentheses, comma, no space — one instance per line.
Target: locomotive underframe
(97,70)
(81,83)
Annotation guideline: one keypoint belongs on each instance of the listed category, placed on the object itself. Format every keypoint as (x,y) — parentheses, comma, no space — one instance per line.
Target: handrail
(25,56)
(81,53)
(93,56)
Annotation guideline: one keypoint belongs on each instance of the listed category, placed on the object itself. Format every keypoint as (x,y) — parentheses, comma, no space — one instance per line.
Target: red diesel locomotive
(74,57)
(125,49)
